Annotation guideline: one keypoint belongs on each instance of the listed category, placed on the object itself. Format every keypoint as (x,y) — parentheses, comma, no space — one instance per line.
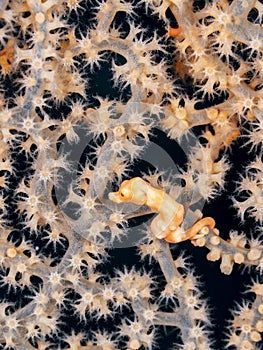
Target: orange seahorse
(166,225)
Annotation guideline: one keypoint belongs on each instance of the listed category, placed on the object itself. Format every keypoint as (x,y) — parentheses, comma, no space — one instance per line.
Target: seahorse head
(133,190)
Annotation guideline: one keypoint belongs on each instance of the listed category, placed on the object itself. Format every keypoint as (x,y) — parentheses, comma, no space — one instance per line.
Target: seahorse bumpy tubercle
(199,229)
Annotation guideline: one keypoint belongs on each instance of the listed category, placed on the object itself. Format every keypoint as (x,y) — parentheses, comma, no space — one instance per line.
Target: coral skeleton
(131,174)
